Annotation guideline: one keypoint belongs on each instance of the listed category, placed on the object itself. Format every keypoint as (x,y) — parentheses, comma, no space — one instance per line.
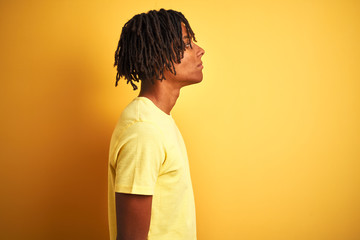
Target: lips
(200,65)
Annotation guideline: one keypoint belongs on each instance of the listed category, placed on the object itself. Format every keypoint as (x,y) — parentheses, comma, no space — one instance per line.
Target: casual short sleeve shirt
(148,157)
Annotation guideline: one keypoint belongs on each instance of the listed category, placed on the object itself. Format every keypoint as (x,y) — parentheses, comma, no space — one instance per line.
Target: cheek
(185,65)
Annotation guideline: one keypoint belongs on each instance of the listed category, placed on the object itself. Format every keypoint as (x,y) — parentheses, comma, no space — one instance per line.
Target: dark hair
(149,44)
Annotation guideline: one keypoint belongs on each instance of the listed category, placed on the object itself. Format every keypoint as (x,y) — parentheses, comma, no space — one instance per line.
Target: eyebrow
(186,37)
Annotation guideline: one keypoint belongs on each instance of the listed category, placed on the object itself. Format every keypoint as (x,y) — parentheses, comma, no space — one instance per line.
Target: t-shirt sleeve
(139,159)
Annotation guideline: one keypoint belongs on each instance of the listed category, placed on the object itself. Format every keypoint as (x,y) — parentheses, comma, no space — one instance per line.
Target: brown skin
(133,212)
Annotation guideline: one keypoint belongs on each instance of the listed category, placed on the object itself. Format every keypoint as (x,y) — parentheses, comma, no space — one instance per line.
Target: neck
(163,95)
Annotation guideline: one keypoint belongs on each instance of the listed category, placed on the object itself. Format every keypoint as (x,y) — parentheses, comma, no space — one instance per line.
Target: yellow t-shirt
(148,157)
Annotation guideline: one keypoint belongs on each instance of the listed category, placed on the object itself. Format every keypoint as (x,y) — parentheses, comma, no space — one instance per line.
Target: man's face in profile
(189,70)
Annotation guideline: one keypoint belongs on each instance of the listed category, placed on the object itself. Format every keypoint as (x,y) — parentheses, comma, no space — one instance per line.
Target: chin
(193,81)
(197,79)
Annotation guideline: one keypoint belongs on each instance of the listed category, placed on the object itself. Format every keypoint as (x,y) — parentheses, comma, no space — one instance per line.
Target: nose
(200,51)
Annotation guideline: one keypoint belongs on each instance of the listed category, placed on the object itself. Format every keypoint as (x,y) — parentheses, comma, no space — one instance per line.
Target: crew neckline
(153,104)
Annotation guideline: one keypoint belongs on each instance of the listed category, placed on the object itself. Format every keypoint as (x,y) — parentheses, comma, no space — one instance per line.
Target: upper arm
(136,171)
(133,213)
(139,159)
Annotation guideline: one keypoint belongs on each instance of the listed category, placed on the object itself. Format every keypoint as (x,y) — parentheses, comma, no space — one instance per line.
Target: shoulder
(138,138)
(144,129)
(140,109)
(139,135)
(141,115)
(141,120)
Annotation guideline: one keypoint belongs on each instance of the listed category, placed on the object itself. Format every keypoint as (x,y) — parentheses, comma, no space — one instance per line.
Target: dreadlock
(151,43)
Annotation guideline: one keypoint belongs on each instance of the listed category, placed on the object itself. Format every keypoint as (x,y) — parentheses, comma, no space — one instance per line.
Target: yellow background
(272,132)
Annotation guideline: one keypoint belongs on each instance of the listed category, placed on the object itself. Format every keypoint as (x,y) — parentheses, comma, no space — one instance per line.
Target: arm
(133,214)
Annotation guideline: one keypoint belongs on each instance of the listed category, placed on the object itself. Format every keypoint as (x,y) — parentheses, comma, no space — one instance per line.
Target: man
(150,189)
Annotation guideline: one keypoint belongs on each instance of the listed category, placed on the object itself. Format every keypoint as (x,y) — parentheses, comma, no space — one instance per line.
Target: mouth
(200,65)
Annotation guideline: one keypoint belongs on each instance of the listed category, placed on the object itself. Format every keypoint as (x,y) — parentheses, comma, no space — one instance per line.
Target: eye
(187,45)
